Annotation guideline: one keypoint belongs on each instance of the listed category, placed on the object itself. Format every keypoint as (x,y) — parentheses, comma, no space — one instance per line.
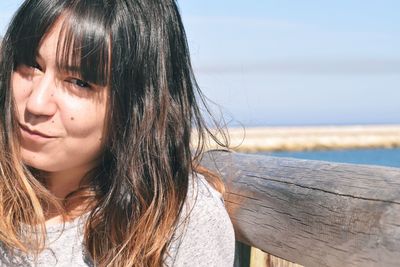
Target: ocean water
(383,157)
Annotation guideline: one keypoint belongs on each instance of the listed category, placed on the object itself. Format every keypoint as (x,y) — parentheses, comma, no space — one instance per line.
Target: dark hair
(138,49)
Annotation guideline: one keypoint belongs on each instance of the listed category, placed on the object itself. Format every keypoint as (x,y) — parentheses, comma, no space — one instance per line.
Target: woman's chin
(38,162)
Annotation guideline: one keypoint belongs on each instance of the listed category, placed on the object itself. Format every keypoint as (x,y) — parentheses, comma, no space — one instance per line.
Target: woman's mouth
(33,134)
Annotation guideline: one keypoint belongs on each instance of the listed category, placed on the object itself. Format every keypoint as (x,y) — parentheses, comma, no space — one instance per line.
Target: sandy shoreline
(313,138)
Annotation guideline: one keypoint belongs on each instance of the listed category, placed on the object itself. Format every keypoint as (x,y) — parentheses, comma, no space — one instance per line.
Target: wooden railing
(313,213)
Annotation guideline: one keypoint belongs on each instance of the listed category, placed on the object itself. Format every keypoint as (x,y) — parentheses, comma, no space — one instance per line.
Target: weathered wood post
(313,213)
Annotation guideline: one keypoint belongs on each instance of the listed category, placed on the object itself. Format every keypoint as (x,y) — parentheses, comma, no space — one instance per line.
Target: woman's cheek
(83,120)
(20,86)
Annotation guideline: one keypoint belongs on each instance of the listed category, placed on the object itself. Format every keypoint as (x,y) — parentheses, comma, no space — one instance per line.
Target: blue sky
(294,62)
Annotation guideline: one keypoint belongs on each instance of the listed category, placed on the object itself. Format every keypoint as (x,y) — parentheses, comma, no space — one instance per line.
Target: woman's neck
(61,184)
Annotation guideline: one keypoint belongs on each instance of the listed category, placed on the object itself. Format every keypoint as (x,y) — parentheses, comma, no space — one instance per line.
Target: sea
(382,157)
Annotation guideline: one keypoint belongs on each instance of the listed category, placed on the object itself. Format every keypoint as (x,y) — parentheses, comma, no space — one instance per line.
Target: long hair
(139,50)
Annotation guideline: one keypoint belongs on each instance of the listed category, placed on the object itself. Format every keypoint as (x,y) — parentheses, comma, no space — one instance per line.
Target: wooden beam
(311,212)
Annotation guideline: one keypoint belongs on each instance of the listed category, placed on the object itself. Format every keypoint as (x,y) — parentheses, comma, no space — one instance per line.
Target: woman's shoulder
(204,236)
(201,193)
(204,201)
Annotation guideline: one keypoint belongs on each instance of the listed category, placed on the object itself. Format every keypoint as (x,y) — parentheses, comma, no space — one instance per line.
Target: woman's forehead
(50,41)
(75,50)
(48,49)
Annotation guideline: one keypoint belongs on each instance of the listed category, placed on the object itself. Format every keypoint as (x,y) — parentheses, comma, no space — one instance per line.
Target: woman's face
(61,117)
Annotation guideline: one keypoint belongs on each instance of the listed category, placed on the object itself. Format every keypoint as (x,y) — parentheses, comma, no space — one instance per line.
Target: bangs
(83,48)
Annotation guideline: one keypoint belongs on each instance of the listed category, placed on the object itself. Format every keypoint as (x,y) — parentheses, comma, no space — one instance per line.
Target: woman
(98,104)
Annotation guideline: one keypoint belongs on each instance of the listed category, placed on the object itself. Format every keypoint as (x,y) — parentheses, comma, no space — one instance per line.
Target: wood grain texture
(262,259)
(311,212)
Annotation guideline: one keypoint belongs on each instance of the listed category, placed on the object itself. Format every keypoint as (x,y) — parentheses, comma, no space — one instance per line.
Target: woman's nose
(41,101)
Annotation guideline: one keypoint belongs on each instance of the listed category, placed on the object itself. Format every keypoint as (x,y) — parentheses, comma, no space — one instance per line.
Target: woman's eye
(28,70)
(79,83)
(35,65)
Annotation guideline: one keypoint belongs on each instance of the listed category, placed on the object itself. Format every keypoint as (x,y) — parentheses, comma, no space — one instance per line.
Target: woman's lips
(33,134)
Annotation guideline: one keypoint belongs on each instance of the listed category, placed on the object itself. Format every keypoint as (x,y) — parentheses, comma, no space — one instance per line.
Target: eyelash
(32,65)
(35,65)
(79,83)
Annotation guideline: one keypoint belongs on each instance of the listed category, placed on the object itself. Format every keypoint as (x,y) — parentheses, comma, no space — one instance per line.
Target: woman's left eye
(79,83)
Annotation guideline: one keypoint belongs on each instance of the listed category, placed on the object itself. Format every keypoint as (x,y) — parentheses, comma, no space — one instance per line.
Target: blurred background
(319,79)
(298,62)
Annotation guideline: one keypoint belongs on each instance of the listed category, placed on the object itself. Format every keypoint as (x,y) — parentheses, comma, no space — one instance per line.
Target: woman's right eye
(28,70)
(29,67)
(35,65)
